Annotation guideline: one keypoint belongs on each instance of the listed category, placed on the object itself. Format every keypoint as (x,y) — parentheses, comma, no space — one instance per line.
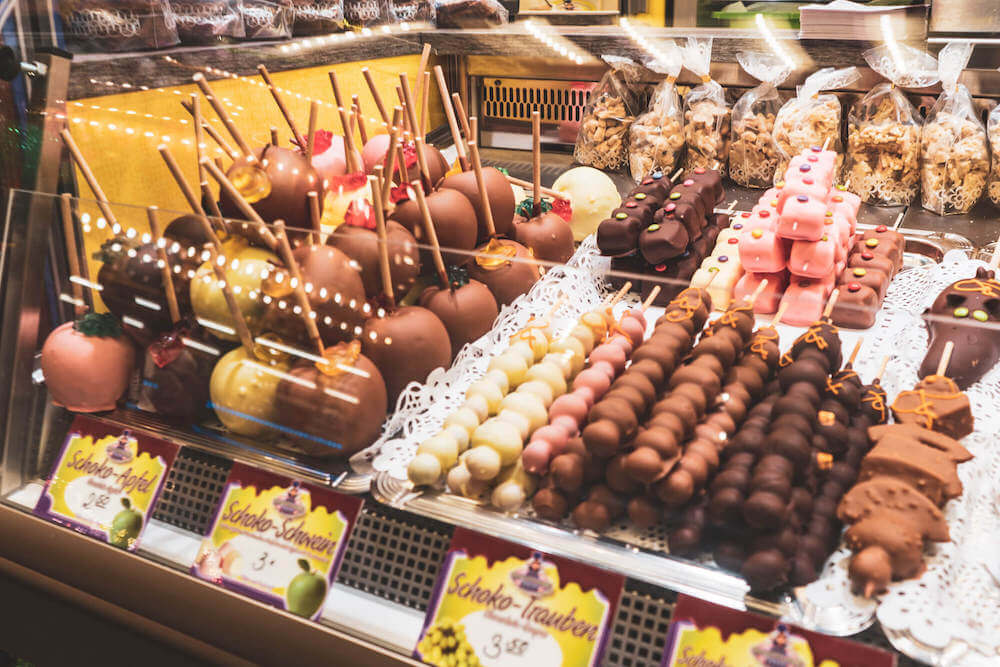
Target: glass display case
(628,314)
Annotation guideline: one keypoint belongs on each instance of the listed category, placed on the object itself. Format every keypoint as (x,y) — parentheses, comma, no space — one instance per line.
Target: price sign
(106,480)
(277,540)
(702,633)
(498,603)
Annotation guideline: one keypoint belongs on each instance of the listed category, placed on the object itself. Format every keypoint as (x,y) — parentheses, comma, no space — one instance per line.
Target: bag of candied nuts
(655,139)
(613,105)
(706,112)
(753,155)
(883,128)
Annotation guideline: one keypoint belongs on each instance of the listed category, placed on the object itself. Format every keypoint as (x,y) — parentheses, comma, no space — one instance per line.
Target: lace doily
(422,408)
(951,614)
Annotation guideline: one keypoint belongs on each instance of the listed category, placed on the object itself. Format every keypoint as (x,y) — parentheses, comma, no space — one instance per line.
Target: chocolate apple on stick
(405,343)
(331,403)
(466,307)
(504,266)
(545,233)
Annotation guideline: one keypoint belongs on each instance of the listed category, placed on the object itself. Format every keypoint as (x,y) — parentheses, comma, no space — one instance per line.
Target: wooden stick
(463,117)
(175,170)
(881,369)
(548,192)
(404,172)
(88,175)
(375,94)
(242,204)
(390,159)
(425,89)
(425,55)
(209,196)
(782,307)
(213,133)
(483,194)
(383,245)
(431,235)
(899,219)
(246,339)
(274,136)
(72,253)
(350,148)
(677,173)
(617,296)
(198,136)
(220,110)
(942,366)
(757,292)
(826,143)
(536,162)
(359,121)
(338,98)
(831,302)
(311,138)
(315,217)
(299,289)
(406,116)
(280,101)
(449,114)
(653,293)
(419,145)
(168,279)
(854,352)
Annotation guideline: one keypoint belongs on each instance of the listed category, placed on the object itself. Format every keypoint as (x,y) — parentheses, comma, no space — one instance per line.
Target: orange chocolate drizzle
(877,402)
(989,288)
(925,401)
(760,338)
(685,305)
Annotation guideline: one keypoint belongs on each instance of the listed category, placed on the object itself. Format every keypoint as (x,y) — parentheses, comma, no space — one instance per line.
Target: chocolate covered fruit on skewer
(894,509)
(408,342)
(465,306)
(545,233)
(331,403)
(506,267)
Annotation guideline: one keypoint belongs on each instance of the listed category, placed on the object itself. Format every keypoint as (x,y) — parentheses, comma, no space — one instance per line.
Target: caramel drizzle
(990,288)
(760,339)
(786,359)
(814,336)
(729,317)
(525,333)
(877,401)
(925,408)
(835,387)
(685,306)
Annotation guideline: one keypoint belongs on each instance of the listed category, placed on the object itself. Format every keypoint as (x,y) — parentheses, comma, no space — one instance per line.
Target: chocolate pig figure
(963,313)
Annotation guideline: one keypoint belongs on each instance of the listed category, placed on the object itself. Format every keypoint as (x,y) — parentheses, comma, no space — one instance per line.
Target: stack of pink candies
(798,237)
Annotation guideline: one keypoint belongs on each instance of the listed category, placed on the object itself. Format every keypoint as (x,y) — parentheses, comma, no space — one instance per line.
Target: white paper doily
(951,614)
(422,408)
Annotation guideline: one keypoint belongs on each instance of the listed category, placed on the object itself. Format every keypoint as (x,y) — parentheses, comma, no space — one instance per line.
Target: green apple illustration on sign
(306,592)
(126,526)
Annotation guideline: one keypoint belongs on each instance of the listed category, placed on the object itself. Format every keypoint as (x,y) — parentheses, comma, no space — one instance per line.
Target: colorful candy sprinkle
(805,167)
(961,311)
(859,272)
(980,315)
(621,216)
(853,287)
(756,233)
(803,198)
(640,196)
(871,243)
(652,228)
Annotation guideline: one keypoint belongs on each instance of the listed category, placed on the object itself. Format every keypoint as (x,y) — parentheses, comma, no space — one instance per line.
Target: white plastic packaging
(753,155)
(656,138)
(706,114)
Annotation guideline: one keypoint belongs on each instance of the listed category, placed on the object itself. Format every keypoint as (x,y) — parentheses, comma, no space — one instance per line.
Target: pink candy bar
(806,298)
(762,251)
(845,203)
(815,156)
(802,218)
(820,175)
(768,300)
(813,259)
(801,186)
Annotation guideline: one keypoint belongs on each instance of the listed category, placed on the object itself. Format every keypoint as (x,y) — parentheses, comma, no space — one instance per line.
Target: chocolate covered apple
(177,369)
(276,182)
(87,363)
(466,307)
(406,345)
(453,216)
(547,234)
(334,407)
(966,314)
(336,294)
(359,241)
(501,200)
(244,267)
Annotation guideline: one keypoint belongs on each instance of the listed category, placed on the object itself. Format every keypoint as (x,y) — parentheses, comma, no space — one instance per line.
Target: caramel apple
(334,407)
(87,363)
(276,182)
(466,307)
(244,266)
